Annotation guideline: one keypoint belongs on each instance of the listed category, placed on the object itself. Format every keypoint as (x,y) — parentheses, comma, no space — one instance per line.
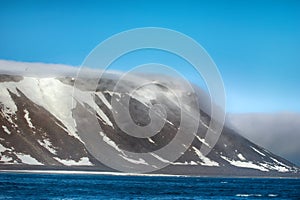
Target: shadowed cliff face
(278,132)
(37,127)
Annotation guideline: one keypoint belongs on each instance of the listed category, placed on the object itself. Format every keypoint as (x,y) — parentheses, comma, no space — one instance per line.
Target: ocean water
(67,186)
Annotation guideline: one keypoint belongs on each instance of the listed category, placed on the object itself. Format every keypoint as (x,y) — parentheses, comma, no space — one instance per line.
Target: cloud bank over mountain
(278,132)
(36,69)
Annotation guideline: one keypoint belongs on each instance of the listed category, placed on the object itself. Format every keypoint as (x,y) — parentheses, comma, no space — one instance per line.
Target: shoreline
(81,172)
(106,173)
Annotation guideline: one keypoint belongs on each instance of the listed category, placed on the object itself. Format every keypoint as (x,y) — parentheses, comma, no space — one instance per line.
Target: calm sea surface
(59,186)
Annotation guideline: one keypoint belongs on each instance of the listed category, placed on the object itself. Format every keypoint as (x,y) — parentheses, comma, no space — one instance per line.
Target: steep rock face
(37,127)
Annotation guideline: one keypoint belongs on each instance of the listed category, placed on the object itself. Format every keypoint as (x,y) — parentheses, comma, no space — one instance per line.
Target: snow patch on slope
(244,164)
(7,160)
(159,158)
(2,148)
(111,143)
(6,130)
(274,167)
(104,100)
(28,119)
(47,145)
(241,157)
(4,158)
(185,163)
(202,141)
(27,159)
(54,96)
(205,160)
(140,161)
(257,151)
(150,140)
(281,167)
(84,161)
(9,105)
(50,94)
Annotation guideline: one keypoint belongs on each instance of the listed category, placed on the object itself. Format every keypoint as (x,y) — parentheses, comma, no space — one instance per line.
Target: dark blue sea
(66,186)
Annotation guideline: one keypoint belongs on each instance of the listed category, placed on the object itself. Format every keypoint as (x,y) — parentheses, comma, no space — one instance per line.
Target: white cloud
(36,69)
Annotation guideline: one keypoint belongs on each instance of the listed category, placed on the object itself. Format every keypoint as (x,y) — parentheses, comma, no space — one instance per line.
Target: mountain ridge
(28,101)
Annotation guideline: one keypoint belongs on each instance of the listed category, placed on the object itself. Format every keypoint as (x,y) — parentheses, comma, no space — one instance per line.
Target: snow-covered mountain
(37,128)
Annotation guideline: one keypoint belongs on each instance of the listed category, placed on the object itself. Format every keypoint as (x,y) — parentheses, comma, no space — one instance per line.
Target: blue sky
(255,44)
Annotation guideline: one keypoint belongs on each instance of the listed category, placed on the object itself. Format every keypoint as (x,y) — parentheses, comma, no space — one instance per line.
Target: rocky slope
(38,130)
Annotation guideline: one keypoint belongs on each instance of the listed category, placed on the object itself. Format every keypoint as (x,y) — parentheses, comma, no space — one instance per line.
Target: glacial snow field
(38,130)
